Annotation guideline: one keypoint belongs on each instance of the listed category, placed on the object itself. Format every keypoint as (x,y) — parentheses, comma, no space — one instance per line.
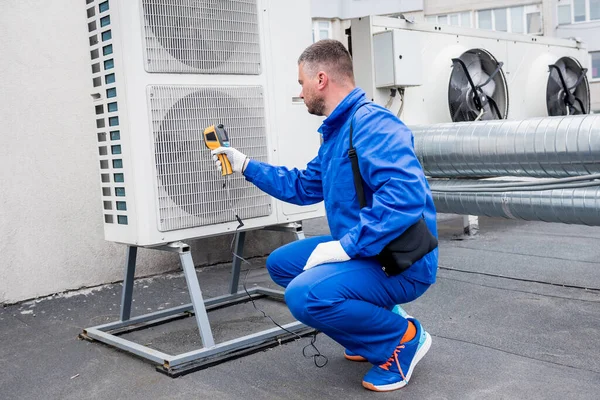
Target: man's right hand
(237,159)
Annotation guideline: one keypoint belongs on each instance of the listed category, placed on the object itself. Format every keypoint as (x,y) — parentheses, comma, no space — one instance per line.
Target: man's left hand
(328,252)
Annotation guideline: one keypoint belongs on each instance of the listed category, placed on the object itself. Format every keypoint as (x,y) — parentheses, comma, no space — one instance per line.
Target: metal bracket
(293,227)
(211,353)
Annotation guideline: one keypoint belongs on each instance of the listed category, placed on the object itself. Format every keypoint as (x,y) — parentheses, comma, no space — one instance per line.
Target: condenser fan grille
(477,89)
(202,36)
(189,188)
(568,90)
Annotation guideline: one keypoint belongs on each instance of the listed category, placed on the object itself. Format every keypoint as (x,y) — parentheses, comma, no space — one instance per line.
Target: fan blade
(571,78)
(556,105)
(463,113)
(467,76)
(559,72)
(562,67)
(579,80)
(489,88)
(474,68)
(582,107)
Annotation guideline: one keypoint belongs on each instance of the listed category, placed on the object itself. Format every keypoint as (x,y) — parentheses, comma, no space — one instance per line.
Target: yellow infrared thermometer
(215,136)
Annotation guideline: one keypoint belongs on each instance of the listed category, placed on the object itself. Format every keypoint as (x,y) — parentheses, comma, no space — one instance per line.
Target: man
(334,283)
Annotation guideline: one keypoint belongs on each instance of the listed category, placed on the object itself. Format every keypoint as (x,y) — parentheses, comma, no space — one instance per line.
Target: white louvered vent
(202,36)
(189,188)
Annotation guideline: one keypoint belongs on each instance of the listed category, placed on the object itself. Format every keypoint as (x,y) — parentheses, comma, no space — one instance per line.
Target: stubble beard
(316,107)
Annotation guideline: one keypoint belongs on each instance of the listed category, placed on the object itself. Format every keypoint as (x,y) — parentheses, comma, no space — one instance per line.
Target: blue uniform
(351,301)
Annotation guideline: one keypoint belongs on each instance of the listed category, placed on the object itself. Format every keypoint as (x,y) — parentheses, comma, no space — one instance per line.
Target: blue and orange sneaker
(397,370)
(352,356)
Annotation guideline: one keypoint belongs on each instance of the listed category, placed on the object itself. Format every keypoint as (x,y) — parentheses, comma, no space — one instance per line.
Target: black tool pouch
(411,245)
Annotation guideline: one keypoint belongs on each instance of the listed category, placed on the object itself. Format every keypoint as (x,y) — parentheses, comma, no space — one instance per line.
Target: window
(321,30)
(465,19)
(573,11)
(484,19)
(516,20)
(595,64)
(500,21)
(579,10)
(594,9)
(564,14)
(534,22)
(457,19)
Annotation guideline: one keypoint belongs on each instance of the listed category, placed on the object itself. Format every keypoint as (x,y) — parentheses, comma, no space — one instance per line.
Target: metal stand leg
(470,225)
(127,294)
(197,302)
(300,234)
(240,238)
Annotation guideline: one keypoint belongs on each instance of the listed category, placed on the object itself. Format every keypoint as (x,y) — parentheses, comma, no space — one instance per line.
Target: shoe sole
(355,358)
(361,358)
(395,386)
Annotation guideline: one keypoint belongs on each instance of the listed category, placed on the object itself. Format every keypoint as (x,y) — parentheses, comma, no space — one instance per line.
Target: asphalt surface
(515,314)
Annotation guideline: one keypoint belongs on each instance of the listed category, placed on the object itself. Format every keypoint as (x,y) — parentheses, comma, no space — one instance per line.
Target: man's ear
(322,79)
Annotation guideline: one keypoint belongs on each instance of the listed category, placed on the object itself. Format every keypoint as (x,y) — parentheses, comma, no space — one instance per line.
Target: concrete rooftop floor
(515,314)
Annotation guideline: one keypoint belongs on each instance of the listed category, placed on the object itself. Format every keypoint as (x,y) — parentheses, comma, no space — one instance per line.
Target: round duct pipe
(539,147)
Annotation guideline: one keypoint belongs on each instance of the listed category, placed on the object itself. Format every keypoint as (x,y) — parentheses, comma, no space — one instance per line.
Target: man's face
(313,97)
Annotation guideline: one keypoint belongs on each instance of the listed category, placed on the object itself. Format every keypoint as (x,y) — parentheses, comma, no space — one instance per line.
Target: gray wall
(51,235)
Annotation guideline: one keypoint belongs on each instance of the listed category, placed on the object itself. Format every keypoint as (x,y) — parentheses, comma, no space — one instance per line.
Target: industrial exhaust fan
(568,90)
(477,88)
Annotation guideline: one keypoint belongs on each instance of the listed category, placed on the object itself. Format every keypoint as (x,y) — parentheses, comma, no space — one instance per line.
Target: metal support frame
(211,353)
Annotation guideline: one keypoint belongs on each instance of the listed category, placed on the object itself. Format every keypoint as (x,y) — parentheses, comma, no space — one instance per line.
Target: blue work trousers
(350,301)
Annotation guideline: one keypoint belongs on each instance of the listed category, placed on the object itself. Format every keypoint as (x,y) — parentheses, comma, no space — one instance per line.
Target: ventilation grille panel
(202,36)
(189,187)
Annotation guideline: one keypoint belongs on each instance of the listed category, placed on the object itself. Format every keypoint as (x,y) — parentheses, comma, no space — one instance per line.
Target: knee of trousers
(296,298)
(275,263)
(306,305)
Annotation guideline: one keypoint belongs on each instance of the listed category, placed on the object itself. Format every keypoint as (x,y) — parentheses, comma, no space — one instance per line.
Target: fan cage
(489,64)
(202,36)
(190,191)
(554,97)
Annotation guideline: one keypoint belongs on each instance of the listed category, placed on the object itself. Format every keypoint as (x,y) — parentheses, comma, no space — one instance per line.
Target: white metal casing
(397,59)
(291,137)
(525,59)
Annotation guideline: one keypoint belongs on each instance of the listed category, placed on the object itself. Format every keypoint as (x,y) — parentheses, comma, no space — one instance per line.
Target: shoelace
(394,357)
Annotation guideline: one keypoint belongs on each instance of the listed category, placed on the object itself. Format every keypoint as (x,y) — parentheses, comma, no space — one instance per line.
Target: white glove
(328,252)
(237,159)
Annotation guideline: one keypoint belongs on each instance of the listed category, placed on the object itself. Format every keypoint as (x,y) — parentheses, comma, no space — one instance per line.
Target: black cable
(318,355)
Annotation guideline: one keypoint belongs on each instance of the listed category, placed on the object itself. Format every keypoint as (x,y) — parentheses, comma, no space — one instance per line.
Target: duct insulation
(570,206)
(540,147)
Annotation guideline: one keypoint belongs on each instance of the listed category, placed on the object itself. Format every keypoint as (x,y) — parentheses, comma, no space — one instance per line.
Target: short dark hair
(329,55)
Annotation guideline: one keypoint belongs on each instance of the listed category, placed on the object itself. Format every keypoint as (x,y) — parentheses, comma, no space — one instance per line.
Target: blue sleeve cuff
(349,246)
(251,170)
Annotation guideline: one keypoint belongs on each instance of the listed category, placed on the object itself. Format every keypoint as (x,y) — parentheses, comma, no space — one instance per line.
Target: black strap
(358,183)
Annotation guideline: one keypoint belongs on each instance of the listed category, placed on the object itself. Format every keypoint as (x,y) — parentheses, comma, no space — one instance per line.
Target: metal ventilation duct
(570,206)
(540,147)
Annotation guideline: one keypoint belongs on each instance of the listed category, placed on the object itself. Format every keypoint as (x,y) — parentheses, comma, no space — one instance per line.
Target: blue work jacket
(395,186)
